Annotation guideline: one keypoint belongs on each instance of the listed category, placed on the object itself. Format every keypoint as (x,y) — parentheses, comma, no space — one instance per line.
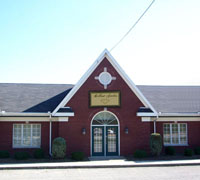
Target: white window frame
(175,144)
(24,146)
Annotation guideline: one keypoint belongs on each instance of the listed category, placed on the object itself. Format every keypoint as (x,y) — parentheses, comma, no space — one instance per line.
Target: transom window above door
(105,118)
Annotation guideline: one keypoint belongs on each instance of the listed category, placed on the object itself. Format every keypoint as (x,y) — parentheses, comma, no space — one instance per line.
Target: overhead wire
(132,26)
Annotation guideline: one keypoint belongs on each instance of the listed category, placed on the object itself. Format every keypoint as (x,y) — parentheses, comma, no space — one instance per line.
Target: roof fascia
(23,114)
(147,114)
(178,114)
(63,114)
(125,77)
(168,114)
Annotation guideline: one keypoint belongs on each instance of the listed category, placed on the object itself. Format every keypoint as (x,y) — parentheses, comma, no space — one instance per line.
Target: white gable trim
(121,72)
(130,83)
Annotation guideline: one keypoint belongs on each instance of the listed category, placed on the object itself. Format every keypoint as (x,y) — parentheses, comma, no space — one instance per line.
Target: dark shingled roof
(46,97)
(145,110)
(31,97)
(173,99)
(65,110)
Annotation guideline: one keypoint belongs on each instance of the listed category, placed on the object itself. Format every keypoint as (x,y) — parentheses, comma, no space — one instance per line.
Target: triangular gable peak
(105,54)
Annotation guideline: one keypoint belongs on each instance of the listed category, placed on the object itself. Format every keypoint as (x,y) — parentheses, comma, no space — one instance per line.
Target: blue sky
(46,41)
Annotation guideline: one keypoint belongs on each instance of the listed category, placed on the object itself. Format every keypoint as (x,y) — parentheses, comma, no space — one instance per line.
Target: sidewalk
(109,163)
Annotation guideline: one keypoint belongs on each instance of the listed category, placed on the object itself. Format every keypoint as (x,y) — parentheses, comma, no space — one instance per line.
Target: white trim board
(121,72)
(170,119)
(140,114)
(63,114)
(23,114)
(33,119)
(145,114)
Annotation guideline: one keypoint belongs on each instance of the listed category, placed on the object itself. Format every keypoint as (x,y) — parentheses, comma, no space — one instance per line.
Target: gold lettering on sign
(104,99)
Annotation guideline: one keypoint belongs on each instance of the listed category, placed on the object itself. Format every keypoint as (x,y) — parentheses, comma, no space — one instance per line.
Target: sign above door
(104,98)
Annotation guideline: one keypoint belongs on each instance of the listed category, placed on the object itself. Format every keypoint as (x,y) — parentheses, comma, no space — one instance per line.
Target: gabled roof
(121,72)
(46,97)
(31,97)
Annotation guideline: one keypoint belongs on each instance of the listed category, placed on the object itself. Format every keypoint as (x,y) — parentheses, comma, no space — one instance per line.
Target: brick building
(104,114)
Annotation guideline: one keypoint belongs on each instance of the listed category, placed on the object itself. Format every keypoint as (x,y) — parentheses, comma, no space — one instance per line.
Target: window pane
(36,135)
(22,134)
(26,135)
(166,133)
(174,133)
(112,139)
(104,118)
(17,135)
(183,135)
(98,140)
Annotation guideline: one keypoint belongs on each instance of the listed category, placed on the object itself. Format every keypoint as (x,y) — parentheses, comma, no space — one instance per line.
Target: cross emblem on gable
(105,78)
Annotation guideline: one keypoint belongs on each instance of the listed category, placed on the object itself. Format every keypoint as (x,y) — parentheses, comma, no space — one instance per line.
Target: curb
(98,166)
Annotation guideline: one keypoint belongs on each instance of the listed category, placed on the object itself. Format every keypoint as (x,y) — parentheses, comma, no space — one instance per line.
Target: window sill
(176,145)
(25,147)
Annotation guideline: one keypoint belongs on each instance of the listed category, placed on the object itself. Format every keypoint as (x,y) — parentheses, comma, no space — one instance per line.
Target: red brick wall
(6,129)
(193,129)
(138,136)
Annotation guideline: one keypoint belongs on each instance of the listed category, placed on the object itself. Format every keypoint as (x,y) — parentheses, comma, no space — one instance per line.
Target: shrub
(38,154)
(197,150)
(78,156)
(156,144)
(140,154)
(4,154)
(59,148)
(188,152)
(21,155)
(170,151)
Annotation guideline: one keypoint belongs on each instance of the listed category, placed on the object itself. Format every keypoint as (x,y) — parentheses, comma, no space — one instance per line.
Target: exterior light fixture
(126,130)
(83,131)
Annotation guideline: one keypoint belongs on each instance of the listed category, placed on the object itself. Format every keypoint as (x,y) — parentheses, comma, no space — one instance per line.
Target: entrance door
(105,134)
(104,140)
(98,141)
(111,141)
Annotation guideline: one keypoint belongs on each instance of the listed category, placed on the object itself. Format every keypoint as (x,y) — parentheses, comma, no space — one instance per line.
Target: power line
(132,26)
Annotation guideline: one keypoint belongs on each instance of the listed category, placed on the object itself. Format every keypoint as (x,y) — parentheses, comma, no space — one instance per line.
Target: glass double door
(105,141)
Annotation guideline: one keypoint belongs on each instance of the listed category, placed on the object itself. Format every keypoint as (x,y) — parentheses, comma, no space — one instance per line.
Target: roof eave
(23,114)
(143,114)
(71,114)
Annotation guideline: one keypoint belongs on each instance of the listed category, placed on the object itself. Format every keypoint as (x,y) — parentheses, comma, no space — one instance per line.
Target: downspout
(50,133)
(154,123)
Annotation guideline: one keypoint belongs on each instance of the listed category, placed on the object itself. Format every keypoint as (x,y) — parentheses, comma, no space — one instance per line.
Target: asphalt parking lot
(136,173)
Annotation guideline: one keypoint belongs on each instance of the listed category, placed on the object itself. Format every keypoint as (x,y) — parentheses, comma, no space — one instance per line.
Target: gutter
(160,114)
(195,114)
(50,132)
(3,113)
(32,114)
(154,123)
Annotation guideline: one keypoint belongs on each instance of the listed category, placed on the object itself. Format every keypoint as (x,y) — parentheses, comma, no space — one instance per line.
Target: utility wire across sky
(132,26)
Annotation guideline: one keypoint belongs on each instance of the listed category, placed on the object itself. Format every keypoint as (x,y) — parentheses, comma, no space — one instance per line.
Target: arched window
(104,118)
